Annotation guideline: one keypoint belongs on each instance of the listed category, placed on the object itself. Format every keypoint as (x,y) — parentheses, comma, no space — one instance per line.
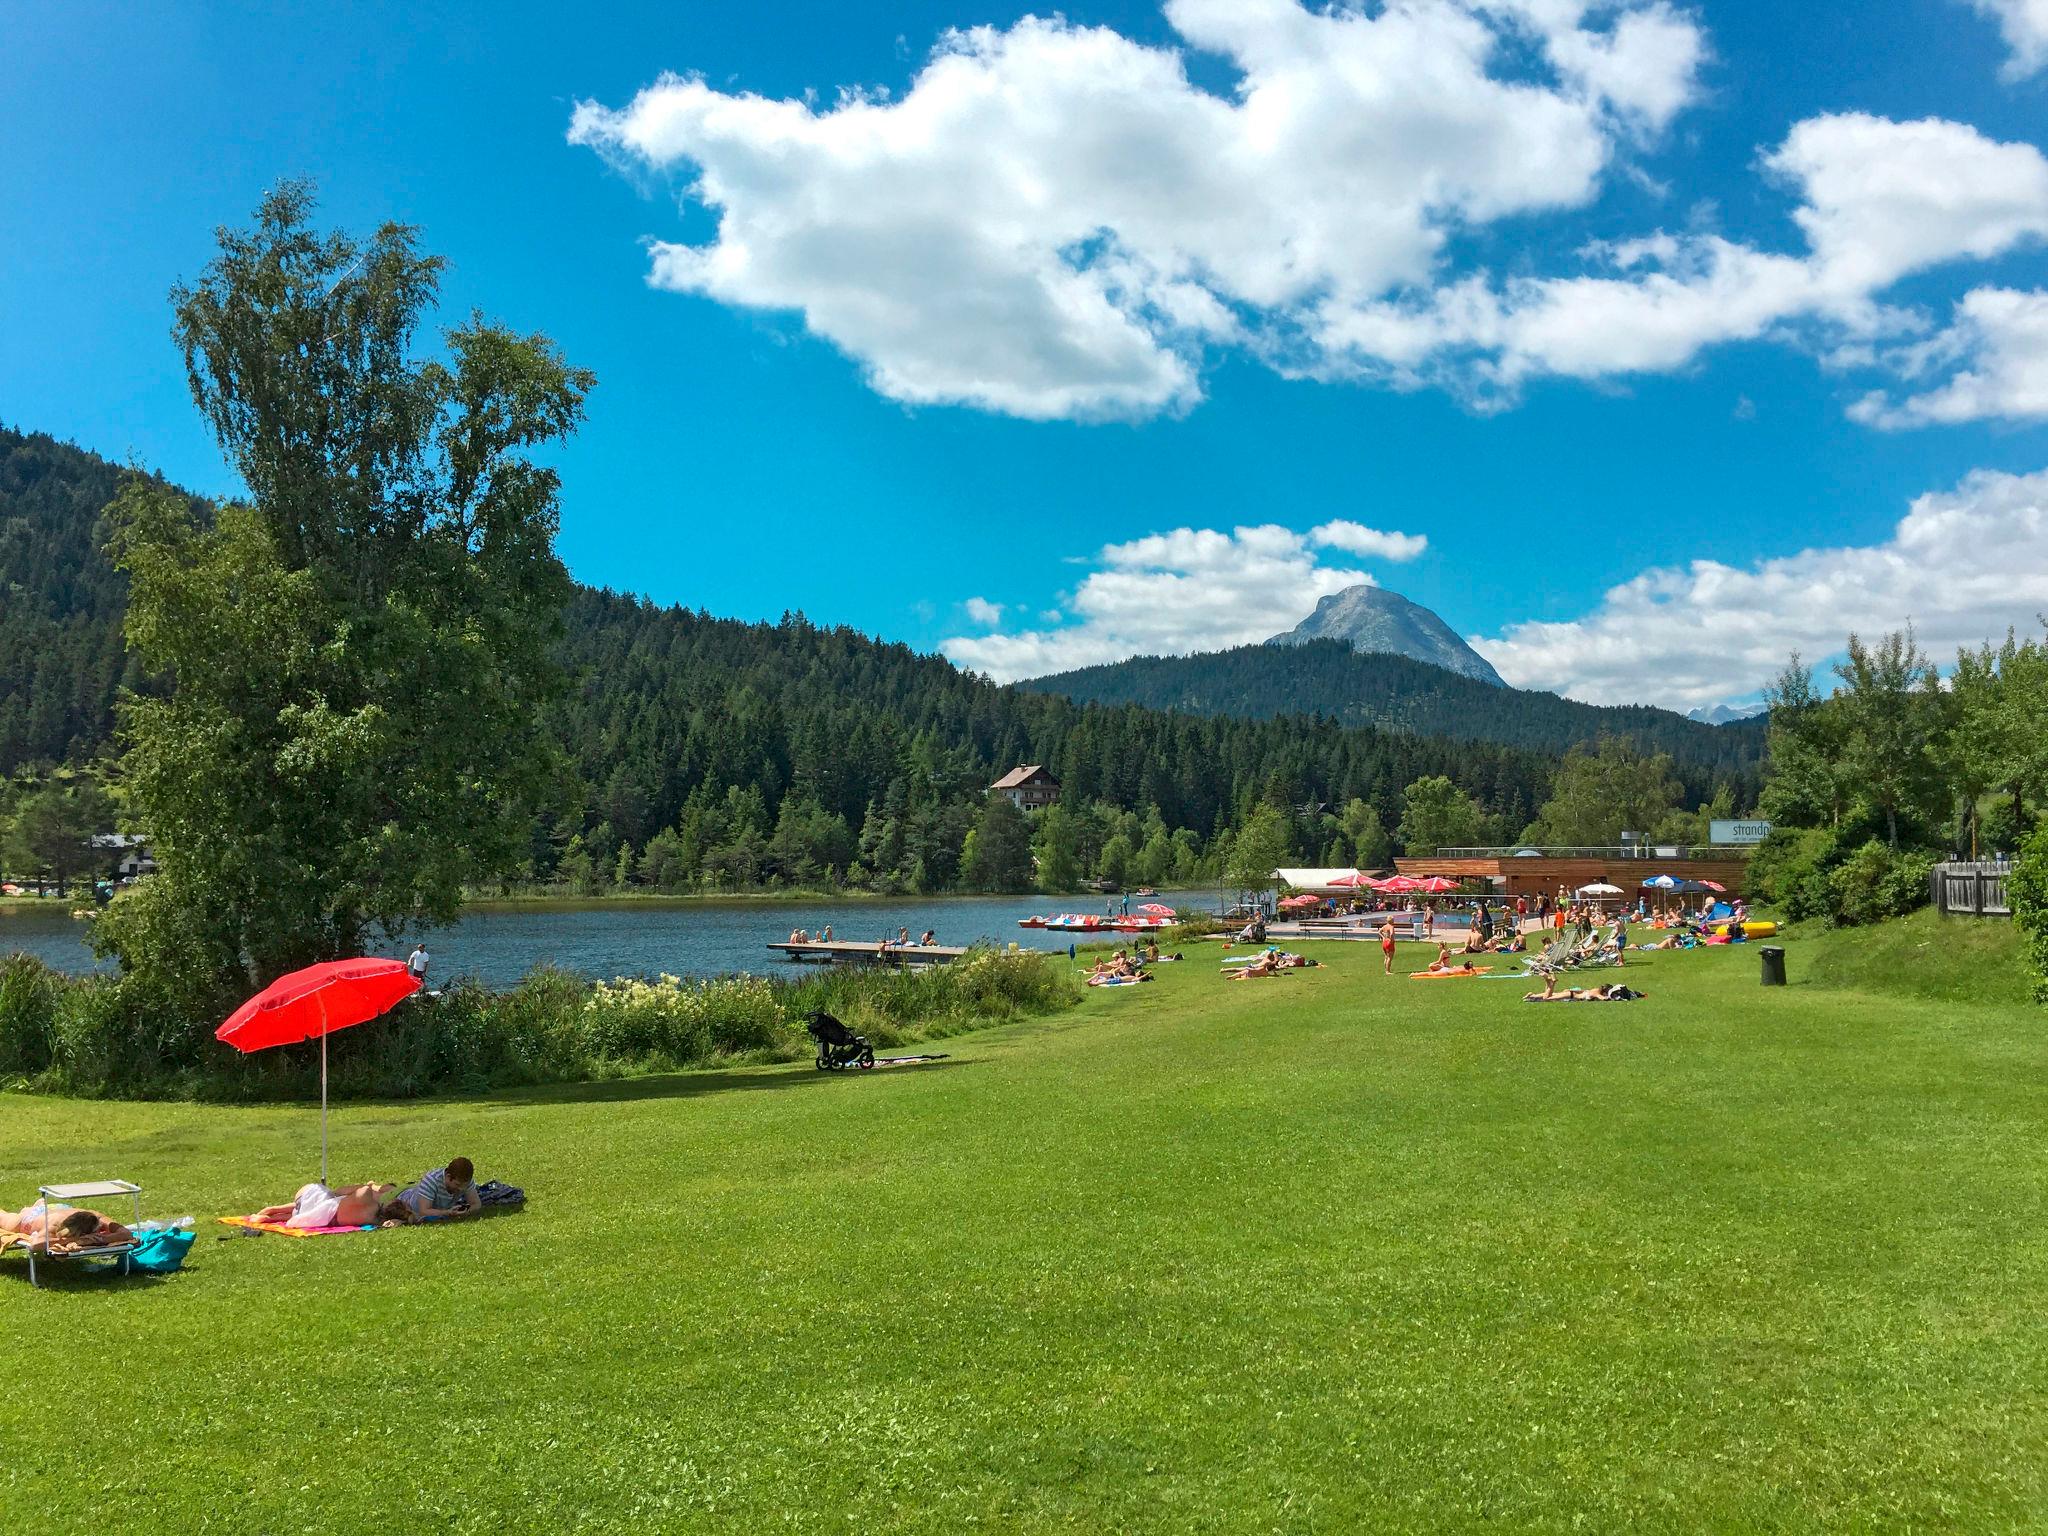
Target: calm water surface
(698,938)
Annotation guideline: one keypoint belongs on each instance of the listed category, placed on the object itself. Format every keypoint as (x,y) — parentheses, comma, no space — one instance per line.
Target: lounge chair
(60,1252)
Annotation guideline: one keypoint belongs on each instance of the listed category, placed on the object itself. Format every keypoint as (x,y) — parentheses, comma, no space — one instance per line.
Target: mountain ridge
(1327,678)
(1376,620)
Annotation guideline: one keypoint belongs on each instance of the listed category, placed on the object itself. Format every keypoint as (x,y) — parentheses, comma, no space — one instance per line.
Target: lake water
(694,938)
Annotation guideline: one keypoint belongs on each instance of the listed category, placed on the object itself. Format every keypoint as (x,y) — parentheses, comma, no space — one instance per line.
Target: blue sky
(1744,284)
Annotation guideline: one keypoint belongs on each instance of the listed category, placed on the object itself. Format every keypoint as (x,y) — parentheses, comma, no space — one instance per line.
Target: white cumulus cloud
(1995,357)
(1877,201)
(1961,566)
(1053,221)
(981,611)
(2024,26)
(1187,589)
(1371,543)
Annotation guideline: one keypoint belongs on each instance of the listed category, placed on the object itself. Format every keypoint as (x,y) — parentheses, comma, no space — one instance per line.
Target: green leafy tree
(2027,889)
(1058,846)
(360,657)
(1996,739)
(1114,864)
(1600,794)
(1805,785)
(1437,814)
(53,829)
(662,865)
(1260,846)
(1001,854)
(1365,835)
(1891,708)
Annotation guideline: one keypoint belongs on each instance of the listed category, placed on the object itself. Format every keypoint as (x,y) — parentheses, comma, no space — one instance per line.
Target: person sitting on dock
(928,939)
(826,936)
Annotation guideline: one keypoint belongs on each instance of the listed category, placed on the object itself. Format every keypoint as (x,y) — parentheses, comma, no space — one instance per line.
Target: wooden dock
(813,952)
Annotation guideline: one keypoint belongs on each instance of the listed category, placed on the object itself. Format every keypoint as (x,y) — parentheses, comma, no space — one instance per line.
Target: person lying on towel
(1613,992)
(65,1226)
(444,1193)
(315,1205)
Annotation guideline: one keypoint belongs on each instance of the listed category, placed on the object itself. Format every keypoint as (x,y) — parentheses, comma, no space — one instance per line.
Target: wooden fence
(1974,889)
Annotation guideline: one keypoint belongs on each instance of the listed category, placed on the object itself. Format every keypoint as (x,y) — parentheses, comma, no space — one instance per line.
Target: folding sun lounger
(69,1194)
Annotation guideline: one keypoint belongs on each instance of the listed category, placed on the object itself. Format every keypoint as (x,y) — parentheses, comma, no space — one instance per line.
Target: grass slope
(1332,1252)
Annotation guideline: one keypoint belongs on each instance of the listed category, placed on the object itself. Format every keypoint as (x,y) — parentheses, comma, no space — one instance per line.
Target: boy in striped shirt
(445,1192)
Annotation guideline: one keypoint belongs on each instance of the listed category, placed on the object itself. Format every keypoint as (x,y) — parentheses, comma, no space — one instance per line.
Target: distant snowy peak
(1374,619)
(1725,714)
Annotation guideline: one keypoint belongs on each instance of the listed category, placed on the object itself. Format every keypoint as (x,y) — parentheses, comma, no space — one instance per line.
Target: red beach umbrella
(1400,883)
(1155,909)
(313,1004)
(1351,882)
(1436,885)
(1715,886)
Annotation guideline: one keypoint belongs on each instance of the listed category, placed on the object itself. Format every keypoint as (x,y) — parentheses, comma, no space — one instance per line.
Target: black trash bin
(1774,965)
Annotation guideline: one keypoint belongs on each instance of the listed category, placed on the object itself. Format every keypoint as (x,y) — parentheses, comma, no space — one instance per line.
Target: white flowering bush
(681,1021)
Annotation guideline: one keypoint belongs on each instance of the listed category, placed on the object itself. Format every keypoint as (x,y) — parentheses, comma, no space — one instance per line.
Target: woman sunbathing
(315,1205)
(65,1226)
(1612,992)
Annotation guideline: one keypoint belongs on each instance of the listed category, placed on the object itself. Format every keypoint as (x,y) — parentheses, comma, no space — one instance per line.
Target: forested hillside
(769,741)
(61,655)
(1329,678)
(713,751)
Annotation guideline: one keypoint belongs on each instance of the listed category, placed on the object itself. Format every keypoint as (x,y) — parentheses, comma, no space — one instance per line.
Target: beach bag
(161,1253)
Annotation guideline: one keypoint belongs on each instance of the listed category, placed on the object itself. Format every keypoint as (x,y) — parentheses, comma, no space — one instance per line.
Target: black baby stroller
(838,1046)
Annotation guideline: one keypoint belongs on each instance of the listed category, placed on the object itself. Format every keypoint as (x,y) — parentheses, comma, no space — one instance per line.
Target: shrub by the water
(2027,890)
(104,1036)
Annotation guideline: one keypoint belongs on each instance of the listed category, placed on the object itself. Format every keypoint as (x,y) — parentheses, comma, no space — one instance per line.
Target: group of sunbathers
(1118,967)
(439,1195)
(1272,963)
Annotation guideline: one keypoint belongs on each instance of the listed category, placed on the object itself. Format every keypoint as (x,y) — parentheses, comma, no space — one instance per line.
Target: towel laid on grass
(282,1230)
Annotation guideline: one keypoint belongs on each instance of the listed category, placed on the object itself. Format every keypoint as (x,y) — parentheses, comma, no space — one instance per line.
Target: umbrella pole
(323,1111)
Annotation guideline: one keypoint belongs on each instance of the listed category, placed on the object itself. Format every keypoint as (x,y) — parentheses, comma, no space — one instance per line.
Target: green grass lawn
(1331,1253)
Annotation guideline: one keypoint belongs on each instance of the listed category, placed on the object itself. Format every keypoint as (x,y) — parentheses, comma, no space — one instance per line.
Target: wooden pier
(813,952)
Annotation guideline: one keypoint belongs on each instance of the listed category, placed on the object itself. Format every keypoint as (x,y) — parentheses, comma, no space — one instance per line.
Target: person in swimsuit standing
(1387,946)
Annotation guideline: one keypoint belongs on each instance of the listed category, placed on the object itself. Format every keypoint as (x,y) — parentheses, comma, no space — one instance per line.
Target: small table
(71,1194)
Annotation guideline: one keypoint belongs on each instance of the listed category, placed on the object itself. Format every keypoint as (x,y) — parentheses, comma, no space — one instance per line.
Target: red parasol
(1351,882)
(1156,909)
(1436,885)
(1400,883)
(1294,902)
(313,1004)
(1715,886)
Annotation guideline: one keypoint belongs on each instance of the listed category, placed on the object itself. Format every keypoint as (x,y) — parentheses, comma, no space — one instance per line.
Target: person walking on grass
(1387,946)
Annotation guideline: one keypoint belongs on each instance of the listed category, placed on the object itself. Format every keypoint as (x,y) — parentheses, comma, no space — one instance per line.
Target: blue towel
(161,1253)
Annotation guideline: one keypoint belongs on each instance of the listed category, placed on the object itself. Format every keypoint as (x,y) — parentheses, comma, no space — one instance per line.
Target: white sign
(1738,832)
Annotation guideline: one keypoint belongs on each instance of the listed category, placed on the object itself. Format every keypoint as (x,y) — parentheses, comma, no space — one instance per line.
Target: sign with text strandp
(1738,833)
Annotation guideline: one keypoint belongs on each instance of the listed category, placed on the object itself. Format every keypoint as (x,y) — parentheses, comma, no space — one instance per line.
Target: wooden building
(1029,788)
